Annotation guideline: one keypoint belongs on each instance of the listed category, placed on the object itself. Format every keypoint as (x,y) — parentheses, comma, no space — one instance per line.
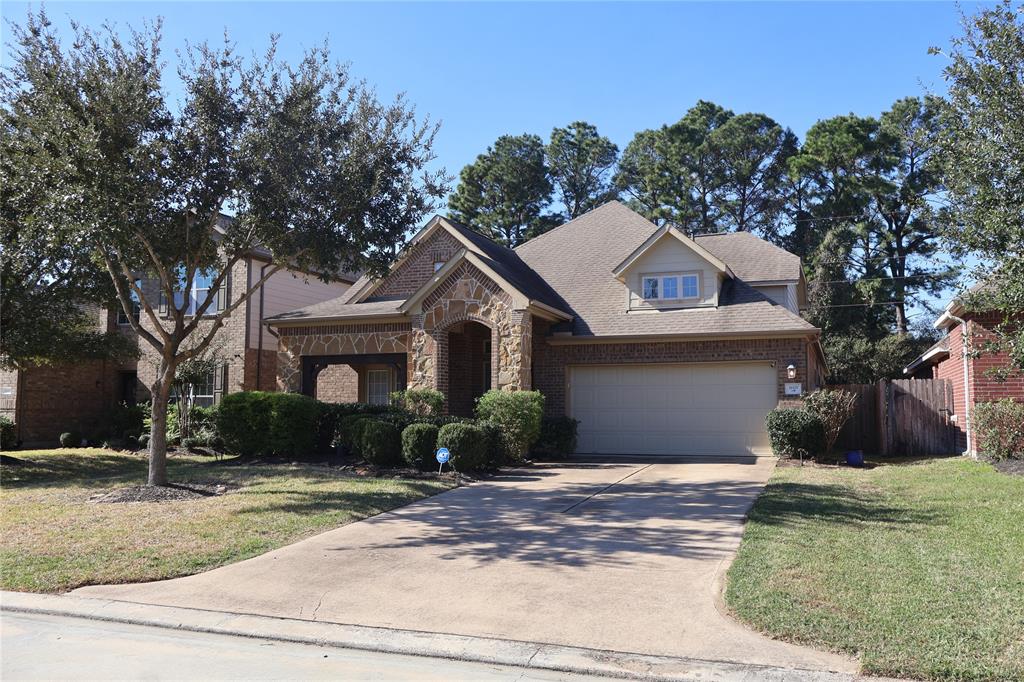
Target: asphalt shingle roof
(577,260)
(750,258)
(570,268)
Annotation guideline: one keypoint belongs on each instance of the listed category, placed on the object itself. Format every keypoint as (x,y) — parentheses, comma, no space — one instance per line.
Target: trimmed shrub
(144,441)
(833,408)
(329,421)
(519,415)
(293,421)
(7,438)
(467,444)
(243,420)
(381,443)
(71,439)
(125,420)
(795,433)
(422,402)
(268,424)
(419,444)
(350,432)
(496,448)
(558,437)
(998,429)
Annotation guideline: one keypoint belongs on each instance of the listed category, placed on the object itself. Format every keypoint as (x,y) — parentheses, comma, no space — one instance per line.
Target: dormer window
(671,287)
(650,288)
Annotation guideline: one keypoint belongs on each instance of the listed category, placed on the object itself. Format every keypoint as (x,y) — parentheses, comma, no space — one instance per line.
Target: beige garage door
(697,409)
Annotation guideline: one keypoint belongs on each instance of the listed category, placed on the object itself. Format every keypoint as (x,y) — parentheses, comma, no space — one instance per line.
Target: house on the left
(46,401)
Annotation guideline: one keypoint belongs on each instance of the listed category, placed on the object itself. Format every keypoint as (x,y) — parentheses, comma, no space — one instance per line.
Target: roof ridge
(460,225)
(570,222)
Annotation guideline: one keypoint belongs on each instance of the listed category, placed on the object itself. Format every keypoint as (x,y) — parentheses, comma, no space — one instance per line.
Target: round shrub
(7,436)
(70,439)
(350,432)
(467,444)
(795,433)
(496,446)
(381,443)
(419,442)
(999,429)
(558,437)
(519,414)
(144,441)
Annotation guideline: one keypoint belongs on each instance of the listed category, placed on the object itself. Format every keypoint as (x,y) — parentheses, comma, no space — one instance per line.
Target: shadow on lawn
(794,503)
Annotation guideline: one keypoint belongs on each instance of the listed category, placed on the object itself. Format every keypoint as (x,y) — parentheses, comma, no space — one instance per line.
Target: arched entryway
(470,363)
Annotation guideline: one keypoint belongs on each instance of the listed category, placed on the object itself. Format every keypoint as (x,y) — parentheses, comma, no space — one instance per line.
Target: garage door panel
(673,409)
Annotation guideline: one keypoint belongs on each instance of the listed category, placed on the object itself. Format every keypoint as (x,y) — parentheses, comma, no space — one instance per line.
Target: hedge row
(508,424)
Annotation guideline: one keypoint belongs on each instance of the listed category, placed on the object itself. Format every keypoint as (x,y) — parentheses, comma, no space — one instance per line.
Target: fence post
(882,393)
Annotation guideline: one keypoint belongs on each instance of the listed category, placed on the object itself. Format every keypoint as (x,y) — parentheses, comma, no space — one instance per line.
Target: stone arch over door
(470,295)
(445,382)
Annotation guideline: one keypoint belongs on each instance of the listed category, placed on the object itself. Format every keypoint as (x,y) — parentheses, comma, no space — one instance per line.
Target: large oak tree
(313,168)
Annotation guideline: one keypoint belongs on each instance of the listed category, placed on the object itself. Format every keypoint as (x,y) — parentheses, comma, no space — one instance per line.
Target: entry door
(697,409)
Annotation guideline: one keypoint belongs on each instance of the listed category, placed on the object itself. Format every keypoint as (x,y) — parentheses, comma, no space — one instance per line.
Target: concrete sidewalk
(525,655)
(604,556)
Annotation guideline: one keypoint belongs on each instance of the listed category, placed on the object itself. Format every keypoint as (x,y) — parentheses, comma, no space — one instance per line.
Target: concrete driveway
(613,556)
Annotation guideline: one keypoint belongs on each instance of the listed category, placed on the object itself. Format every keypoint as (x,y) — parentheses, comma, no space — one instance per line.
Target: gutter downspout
(965,344)
(259,342)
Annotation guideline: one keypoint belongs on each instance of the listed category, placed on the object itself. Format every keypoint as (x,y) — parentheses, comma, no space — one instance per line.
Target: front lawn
(918,568)
(53,538)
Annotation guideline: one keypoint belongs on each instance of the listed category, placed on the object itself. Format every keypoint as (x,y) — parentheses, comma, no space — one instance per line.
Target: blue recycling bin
(855,458)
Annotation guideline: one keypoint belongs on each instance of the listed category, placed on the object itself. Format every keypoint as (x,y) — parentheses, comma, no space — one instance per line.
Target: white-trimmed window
(201,285)
(690,286)
(670,287)
(651,289)
(378,386)
(202,391)
(122,318)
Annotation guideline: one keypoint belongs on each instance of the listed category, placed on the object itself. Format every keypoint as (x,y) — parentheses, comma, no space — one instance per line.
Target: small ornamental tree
(834,409)
(316,172)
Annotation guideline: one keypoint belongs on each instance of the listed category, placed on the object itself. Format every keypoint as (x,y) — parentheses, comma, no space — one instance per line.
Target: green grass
(917,568)
(53,539)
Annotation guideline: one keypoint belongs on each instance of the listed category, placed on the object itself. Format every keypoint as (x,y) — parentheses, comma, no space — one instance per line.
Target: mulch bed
(1013,467)
(354,466)
(169,493)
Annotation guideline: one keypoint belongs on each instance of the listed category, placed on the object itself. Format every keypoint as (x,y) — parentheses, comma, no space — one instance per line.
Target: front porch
(463,338)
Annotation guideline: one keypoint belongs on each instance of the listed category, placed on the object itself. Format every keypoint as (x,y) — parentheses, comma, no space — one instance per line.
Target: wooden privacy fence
(901,417)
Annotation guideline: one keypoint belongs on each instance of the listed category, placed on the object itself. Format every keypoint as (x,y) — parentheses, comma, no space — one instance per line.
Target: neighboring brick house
(969,371)
(46,401)
(657,343)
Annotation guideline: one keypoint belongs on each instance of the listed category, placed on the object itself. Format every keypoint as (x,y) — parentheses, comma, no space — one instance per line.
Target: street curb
(490,650)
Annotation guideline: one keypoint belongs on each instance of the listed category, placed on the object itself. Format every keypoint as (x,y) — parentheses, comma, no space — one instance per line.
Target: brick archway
(459,360)
(470,296)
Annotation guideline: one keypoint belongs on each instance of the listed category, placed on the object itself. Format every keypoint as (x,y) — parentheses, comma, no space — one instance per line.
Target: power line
(873,279)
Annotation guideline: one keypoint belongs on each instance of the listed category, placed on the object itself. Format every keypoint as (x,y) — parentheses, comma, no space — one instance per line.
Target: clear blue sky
(486,69)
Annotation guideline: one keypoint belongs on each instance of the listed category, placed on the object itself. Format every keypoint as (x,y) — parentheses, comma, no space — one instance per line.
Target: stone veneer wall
(551,362)
(334,339)
(470,295)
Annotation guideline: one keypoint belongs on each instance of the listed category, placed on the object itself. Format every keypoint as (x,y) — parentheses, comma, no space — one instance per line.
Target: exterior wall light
(791,371)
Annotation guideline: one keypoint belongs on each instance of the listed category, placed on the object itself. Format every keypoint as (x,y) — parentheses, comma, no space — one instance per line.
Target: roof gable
(669,232)
(521,299)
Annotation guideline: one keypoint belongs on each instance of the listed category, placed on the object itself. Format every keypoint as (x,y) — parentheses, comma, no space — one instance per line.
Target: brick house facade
(462,315)
(47,401)
(959,358)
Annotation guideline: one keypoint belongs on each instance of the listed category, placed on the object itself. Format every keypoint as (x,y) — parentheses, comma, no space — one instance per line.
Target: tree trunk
(161,391)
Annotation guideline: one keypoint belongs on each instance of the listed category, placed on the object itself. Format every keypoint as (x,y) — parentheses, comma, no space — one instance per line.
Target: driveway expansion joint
(607,487)
(568,659)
